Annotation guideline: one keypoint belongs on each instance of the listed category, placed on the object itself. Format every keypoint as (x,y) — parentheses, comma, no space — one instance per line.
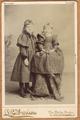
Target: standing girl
(47,65)
(26,43)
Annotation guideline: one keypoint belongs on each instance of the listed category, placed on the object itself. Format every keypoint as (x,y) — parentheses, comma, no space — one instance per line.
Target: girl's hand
(51,50)
(45,51)
(30,84)
(37,53)
(26,62)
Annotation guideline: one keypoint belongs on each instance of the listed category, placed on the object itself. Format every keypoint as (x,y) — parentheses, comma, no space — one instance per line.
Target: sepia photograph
(39,59)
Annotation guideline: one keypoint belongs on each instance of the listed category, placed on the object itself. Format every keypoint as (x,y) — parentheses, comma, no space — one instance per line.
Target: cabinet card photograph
(39,59)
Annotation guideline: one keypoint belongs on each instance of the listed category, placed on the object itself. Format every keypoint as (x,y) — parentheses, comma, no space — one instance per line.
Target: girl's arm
(24,52)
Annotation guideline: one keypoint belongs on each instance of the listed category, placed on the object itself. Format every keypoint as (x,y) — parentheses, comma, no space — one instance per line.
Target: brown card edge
(78,65)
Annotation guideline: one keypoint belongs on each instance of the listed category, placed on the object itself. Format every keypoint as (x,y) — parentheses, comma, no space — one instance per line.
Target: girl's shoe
(26,88)
(22,93)
(60,98)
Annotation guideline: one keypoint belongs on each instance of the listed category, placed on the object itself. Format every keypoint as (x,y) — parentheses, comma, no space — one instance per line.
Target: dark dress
(26,44)
(46,65)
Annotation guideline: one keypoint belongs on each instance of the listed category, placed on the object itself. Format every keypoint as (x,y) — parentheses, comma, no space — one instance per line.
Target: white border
(38,2)
(73,106)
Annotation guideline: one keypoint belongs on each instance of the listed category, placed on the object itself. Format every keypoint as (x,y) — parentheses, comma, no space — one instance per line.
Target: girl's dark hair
(24,28)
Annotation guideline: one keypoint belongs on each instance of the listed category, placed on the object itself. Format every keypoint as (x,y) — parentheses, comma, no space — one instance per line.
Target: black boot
(26,87)
(22,92)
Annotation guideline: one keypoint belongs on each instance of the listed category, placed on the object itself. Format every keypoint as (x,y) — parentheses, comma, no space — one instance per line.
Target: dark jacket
(26,44)
(48,63)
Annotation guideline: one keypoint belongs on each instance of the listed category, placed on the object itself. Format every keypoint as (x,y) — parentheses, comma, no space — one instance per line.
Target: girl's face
(48,31)
(29,28)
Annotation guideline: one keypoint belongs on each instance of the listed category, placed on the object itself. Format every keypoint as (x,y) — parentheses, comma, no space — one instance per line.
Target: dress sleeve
(23,40)
(24,52)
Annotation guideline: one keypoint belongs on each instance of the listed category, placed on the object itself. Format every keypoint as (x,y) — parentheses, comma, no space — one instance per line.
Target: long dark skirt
(20,72)
(46,85)
(39,85)
(48,63)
